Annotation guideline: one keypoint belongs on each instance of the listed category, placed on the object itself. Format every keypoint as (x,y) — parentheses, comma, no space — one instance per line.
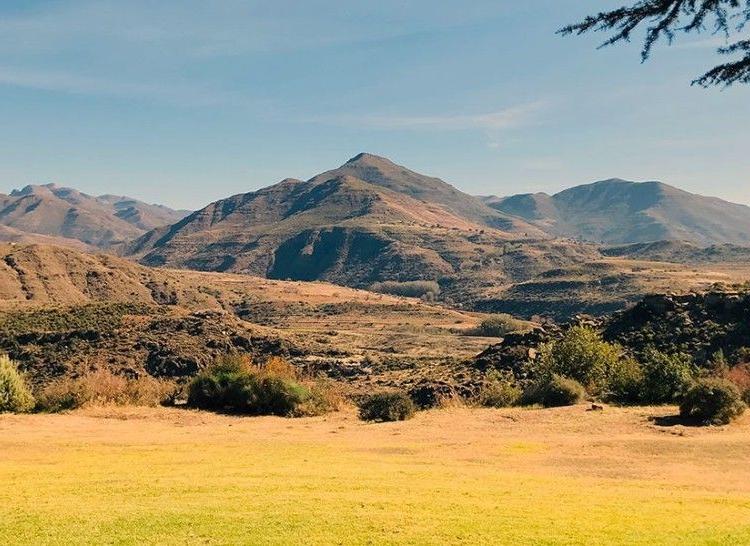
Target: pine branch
(665,18)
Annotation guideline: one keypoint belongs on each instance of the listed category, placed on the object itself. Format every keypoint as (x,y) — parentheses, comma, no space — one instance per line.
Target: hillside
(61,310)
(66,213)
(682,252)
(617,211)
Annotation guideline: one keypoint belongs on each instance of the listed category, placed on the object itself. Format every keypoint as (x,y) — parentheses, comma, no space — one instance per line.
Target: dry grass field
(565,476)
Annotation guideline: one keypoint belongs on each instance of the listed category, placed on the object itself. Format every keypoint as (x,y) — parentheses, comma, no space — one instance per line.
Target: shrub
(325,397)
(497,326)
(103,387)
(625,382)
(555,391)
(666,378)
(712,401)
(15,395)
(499,392)
(740,376)
(387,406)
(581,355)
(233,384)
(407,289)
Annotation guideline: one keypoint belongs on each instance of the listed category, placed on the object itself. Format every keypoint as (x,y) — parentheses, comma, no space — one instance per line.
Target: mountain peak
(365,158)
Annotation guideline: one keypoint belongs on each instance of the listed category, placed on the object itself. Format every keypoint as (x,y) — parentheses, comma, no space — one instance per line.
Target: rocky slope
(618,211)
(697,324)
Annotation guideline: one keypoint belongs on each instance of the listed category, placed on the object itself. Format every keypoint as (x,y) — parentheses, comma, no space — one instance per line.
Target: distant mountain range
(37,213)
(591,248)
(618,211)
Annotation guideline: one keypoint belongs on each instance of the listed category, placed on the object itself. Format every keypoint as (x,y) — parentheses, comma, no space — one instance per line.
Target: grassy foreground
(567,476)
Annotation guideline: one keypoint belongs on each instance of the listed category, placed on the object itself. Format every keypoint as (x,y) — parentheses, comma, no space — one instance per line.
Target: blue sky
(187,101)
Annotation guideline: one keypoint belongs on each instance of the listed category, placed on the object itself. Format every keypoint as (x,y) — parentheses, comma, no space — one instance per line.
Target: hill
(66,213)
(62,310)
(618,211)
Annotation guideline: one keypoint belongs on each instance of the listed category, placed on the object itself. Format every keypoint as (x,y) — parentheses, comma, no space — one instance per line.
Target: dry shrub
(278,367)
(740,376)
(103,388)
(449,400)
(326,396)
(15,395)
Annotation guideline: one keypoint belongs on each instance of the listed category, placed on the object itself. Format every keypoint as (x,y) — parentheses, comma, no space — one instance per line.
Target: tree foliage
(664,19)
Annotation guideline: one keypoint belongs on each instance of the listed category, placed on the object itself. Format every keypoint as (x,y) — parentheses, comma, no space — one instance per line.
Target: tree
(666,18)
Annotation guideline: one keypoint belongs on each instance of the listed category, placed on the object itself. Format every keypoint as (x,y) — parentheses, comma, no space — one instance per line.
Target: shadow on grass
(676,420)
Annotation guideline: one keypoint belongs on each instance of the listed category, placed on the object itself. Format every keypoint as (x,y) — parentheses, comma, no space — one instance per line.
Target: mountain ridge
(617,211)
(98,221)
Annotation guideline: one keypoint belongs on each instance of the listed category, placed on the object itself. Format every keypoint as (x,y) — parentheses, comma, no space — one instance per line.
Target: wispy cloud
(508,118)
(77,84)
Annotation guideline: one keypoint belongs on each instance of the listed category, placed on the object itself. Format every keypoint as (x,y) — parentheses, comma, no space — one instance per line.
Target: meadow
(452,476)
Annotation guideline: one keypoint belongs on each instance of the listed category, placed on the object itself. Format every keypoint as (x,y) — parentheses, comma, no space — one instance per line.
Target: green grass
(141,483)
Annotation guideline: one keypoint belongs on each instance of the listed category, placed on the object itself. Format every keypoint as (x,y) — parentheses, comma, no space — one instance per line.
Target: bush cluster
(607,373)
(712,401)
(387,406)
(234,384)
(15,395)
(407,289)
(554,391)
(666,377)
(499,392)
(583,356)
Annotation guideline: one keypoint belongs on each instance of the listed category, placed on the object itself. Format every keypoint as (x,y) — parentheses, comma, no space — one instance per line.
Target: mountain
(54,211)
(619,212)
(368,220)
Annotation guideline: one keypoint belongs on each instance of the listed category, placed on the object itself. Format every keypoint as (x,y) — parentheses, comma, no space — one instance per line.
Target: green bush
(499,392)
(666,378)
(713,402)
(387,406)
(582,355)
(625,382)
(234,385)
(555,391)
(407,289)
(15,395)
(498,326)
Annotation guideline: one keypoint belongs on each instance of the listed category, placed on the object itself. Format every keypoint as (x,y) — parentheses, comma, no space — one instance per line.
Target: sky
(184,102)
